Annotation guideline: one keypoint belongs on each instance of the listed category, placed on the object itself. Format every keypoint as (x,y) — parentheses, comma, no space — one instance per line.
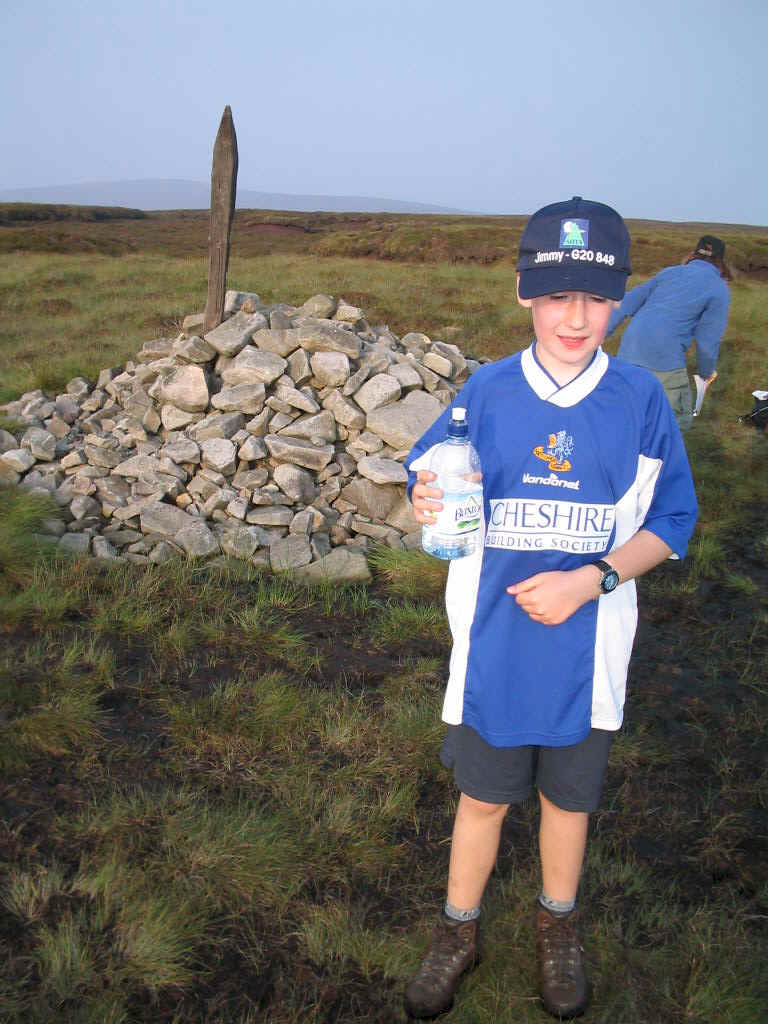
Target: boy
(586,486)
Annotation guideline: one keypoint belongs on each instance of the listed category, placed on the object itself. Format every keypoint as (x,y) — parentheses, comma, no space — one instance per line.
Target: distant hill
(171,194)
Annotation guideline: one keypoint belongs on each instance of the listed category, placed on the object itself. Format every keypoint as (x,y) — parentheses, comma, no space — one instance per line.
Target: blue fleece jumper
(668,312)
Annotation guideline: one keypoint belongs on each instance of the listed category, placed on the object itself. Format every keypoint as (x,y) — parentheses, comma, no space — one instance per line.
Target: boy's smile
(569,326)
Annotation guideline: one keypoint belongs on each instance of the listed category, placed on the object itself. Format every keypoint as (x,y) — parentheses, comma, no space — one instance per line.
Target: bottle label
(461,513)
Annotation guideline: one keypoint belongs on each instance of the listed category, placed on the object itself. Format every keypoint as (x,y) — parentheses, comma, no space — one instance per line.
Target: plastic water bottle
(456,531)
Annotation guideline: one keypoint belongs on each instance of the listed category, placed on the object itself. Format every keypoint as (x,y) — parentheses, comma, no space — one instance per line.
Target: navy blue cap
(574,246)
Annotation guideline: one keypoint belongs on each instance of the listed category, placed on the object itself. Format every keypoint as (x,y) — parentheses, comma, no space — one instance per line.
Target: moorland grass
(221,796)
(107,308)
(90,308)
(370,236)
(244,796)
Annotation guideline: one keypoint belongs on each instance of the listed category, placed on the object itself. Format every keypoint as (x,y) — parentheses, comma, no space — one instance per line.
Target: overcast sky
(499,106)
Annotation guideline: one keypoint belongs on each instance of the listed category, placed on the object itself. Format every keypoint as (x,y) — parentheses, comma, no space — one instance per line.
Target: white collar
(570,394)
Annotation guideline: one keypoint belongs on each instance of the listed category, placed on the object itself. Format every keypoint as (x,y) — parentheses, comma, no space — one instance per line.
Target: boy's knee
(482,809)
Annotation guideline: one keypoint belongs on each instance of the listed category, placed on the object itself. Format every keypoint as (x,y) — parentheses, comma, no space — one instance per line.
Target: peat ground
(685,802)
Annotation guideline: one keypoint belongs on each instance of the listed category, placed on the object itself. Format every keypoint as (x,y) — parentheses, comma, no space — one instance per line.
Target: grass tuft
(409,574)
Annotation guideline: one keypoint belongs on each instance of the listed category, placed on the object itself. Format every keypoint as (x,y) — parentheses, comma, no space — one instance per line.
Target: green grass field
(221,799)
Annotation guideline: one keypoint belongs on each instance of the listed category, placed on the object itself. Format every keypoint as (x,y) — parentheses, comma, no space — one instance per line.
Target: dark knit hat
(577,245)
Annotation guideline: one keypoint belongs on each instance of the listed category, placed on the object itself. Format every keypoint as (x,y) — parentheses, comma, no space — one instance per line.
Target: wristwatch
(609,579)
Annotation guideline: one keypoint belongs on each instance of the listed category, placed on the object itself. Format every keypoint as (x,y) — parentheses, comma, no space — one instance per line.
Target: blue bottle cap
(458,426)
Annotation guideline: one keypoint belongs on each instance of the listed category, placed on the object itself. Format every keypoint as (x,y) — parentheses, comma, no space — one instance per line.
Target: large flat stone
(242,541)
(252,365)
(187,389)
(235,301)
(297,483)
(341,565)
(252,449)
(40,442)
(331,369)
(220,454)
(250,479)
(74,544)
(347,313)
(299,452)
(135,508)
(150,483)
(370,499)
(17,460)
(163,519)
(437,363)
(319,306)
(270,516)
(324,337)
(182,450)
(383,389)
(321,427)
(176,419)
(401,424)
(197,539)
(296,399)
(217,424)
(406,375)
(193,350)
(99,455)
(345,412)
(8,441)
(234,334)
(113,489)
(299,369)
(290,552)
(141,464)
(283,342)
(245,398)
(382,471)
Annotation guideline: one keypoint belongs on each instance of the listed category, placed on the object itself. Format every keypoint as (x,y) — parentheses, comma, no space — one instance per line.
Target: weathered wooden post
(223,191)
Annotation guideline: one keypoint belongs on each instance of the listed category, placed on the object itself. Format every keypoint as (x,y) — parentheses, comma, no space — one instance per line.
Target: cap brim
(611,284)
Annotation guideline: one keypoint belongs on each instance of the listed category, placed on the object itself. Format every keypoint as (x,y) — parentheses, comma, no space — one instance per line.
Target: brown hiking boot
(452,952)
(563,984)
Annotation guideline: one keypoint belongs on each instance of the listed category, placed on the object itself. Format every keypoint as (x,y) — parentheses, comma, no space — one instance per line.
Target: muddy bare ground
(687,795)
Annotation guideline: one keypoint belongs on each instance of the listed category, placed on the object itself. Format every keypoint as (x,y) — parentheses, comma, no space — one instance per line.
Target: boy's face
(569,326)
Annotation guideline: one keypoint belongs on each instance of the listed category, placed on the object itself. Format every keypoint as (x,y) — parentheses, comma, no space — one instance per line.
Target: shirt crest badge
(556,453)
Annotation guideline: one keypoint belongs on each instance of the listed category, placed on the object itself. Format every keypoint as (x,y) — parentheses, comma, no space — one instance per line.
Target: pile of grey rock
(278,437)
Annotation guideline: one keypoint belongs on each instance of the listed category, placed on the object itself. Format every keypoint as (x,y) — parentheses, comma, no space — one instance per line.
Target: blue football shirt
(569,473)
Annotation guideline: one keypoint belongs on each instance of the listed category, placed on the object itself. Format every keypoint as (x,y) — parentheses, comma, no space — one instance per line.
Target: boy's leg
(562,841)
(569,780)
(563,983)
(474,846)
(497,777)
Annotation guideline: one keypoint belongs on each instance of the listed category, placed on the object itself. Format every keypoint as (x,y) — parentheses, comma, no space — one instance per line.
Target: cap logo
(574,234)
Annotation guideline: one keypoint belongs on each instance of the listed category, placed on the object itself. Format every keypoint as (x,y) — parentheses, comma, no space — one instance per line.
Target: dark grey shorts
(570,777)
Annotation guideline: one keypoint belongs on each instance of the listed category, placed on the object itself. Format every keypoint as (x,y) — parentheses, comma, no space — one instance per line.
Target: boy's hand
(425,499)
(552,597)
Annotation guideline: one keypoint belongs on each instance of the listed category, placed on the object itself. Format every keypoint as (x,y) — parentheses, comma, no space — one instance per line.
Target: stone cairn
(278,437)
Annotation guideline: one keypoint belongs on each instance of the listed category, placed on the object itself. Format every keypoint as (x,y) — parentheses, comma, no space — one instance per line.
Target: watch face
(609,582)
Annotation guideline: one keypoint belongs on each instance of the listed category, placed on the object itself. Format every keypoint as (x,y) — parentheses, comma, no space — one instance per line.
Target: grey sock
(461,915)
(557,907)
